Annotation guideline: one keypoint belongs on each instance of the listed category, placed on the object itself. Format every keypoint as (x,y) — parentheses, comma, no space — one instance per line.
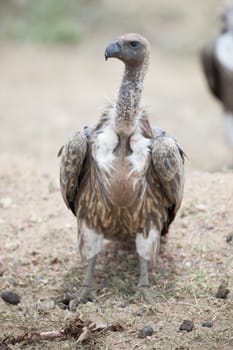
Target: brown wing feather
(168,162)
(71,166)
(210,68)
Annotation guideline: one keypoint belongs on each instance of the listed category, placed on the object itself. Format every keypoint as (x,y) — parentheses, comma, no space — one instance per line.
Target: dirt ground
(48,94)
(39,260)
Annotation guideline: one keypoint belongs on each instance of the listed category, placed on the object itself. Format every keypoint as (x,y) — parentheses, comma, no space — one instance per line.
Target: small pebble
(186,325)
(207,324)
(10,297)
(141,311)
(2,270)
(65,300)
(146,331)
(222,291)
(229,238)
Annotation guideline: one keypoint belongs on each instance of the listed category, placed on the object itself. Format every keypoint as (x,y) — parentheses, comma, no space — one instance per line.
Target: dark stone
(222,291)
(207,324)
(229,238)
(10,297)
(186,325)
(146,331)
(65,300)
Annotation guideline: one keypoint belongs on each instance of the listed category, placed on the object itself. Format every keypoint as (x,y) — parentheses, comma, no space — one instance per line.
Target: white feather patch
(147,246)
(103,148)
(90,243)
(224,50)
(140,147)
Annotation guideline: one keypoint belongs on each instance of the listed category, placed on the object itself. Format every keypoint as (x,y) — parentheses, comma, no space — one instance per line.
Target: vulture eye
(134,43)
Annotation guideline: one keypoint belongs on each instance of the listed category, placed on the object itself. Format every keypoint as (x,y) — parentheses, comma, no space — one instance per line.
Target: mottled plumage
(217,63)
(122,178)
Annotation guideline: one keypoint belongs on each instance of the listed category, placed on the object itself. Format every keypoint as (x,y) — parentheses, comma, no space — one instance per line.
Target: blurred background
(54,80)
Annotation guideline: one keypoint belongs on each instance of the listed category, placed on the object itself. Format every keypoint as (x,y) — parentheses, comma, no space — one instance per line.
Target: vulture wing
(73,155)
(168,163)
(210,69)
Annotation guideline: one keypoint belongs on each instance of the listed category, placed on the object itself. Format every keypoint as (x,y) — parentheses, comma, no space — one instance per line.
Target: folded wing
(168,163)
(73,155)
(210,69)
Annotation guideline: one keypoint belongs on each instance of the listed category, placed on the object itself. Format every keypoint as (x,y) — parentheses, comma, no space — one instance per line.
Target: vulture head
(227,19)
(130,48)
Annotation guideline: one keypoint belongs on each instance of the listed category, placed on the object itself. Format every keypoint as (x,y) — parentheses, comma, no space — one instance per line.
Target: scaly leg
(90,244)
(86,292)
(144,278)
(88,279)
(143,288)
(147,249)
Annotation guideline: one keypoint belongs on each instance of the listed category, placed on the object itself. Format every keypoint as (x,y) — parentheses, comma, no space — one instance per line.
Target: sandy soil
(48,94)
(39,260)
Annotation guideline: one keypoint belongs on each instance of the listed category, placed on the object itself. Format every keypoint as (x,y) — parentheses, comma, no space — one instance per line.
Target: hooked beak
(113,50)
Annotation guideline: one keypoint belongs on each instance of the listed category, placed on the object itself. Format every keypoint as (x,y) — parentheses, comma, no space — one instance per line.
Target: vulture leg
(86,292)
(148,249)
(144,293)
(90,244)
(88,280)
(143,279)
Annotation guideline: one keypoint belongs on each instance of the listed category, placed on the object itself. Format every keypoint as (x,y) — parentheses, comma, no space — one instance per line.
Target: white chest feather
(224,50)
(104,146)
(107,141)
(140,147)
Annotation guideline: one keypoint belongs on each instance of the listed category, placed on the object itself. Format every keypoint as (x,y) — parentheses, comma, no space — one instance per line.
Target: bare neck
(128,102)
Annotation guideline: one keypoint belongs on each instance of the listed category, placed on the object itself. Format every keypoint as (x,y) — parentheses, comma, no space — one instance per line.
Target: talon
(82,296)
(144,293)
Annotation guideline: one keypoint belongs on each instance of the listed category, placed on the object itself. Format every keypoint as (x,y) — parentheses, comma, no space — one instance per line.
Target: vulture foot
(86,292)
(144,294)
(82,296)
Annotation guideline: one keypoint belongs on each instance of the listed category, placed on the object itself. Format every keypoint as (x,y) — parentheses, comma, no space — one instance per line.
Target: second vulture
(217,63)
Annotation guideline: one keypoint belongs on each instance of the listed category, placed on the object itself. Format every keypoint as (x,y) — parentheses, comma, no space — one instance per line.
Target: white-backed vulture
(217,63)
(122,179)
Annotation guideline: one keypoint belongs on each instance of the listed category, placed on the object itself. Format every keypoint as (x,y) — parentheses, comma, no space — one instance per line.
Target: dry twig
(75,328)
